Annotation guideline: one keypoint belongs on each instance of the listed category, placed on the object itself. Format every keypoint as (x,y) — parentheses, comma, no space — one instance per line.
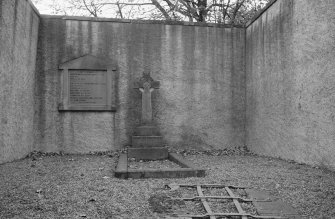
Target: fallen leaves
(61,191)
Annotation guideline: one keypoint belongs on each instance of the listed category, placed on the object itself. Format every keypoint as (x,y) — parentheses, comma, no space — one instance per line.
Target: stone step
(147,141)
(147,130)
(156,153)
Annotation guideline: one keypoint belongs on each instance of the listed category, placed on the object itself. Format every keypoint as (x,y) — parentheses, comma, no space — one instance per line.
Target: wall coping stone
(33,7)
(260,13)
(165,22)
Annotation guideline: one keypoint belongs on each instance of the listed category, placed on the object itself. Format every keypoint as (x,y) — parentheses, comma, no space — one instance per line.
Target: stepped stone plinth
(147,141)
(147,136)
(147,130)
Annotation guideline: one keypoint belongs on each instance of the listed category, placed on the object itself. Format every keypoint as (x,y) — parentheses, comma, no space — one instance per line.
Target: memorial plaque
(87,85)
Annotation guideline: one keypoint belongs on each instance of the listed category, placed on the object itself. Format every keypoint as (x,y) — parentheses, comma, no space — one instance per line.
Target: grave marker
(147,142)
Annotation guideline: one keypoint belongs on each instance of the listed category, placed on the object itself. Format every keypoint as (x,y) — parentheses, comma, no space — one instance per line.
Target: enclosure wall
(200,103)
(290,82)
(18,44)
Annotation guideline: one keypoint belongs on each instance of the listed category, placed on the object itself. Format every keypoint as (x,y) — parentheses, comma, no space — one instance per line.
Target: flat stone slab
(155,153)
(147,141)
(187,169)
(276,208)
(269,206)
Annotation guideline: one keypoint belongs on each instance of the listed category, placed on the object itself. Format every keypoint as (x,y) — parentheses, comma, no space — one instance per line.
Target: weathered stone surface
(200,103)
(157,153)
(276,208)
(147,141)
(267,205)
(122,167)
(147,130)
(18,46)
(290,82)
(87,84)
(146,85)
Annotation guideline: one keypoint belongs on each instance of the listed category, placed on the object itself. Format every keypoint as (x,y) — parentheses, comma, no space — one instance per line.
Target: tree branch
(120,10)
(161,9)
(89,10)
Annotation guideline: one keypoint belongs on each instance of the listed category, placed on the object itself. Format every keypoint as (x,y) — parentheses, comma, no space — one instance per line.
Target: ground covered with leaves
(84,186)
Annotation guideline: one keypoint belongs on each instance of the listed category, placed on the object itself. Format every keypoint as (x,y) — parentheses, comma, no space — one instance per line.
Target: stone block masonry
(201,69)
(19,22)
(290,82)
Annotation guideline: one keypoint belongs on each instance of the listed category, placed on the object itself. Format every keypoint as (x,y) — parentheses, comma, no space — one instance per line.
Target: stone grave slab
(267,205)
(187,169)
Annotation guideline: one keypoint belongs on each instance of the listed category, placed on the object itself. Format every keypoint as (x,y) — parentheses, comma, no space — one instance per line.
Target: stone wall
(201,101)
(19,22)
(290,82)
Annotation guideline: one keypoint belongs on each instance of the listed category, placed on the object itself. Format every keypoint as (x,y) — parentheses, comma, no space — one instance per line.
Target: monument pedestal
(147,141)
(156,153)
(147,144)
(147,136)
(147,130)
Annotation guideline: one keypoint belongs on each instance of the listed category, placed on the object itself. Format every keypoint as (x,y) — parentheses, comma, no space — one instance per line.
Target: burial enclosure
(269,86)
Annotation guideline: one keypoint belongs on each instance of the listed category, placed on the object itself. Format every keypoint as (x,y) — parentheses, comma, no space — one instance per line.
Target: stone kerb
(163,22)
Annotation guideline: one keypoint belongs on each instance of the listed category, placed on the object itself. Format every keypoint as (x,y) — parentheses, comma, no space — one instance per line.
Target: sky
(56,7)
(44,6)
(62,7)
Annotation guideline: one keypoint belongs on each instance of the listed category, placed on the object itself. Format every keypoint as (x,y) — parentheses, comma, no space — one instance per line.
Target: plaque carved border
(92,64)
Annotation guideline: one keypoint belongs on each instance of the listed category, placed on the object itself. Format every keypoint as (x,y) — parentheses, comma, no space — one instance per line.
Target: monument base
(147,130)
(156,153)
(147,141)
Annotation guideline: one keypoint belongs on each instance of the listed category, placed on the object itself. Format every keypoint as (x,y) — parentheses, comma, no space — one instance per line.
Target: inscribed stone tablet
(87,87)
(87,84)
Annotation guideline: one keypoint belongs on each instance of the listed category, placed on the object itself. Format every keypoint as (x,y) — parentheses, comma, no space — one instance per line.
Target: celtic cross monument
(147,141)
(146,86)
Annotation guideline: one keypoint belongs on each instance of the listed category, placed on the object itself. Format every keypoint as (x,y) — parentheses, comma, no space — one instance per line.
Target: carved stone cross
(146,85)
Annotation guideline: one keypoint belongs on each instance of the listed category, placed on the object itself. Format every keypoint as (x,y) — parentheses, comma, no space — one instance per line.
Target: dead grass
(84,186)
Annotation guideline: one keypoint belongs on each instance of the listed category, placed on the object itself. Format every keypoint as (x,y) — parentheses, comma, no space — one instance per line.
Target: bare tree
(215,11)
